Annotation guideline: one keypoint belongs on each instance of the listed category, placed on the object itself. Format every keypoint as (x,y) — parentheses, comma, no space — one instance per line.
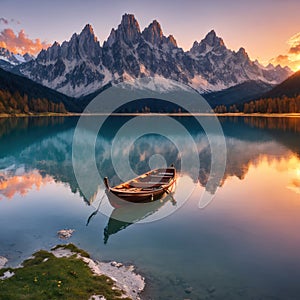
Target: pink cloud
(20,42)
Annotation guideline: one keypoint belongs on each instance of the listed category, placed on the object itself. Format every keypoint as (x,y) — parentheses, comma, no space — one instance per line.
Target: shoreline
(265,115)
(124,277)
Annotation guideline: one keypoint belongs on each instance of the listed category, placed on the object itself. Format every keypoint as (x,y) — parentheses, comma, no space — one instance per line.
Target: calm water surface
(244,245)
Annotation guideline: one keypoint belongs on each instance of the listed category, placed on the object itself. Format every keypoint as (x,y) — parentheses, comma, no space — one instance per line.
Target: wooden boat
(144,188)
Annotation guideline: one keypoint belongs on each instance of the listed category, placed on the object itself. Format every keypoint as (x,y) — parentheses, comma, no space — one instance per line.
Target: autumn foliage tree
(16,103)
(267,106)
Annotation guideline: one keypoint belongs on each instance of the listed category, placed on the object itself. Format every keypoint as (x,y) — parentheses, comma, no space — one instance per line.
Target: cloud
(294,43)
(4,21)
(295,50)
(292,57)
(20,42)
(294,40)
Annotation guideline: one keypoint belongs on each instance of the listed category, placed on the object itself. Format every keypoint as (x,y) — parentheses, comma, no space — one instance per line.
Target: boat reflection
(126,215)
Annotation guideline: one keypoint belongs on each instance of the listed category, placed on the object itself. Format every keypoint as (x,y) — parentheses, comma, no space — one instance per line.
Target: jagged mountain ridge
(81,66)
(8,59)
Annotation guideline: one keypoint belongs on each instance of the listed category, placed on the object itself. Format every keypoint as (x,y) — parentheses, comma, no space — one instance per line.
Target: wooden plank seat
(145,184)
(161,176)
(166,174)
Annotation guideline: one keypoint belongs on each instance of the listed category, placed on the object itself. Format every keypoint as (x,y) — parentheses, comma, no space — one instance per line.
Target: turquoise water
(244,244)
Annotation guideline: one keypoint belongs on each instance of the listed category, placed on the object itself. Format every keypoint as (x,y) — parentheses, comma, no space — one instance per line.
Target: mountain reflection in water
(244,245)
(33,150)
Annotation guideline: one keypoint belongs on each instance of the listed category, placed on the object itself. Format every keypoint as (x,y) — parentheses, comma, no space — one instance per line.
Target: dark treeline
(267,105)
(16,103)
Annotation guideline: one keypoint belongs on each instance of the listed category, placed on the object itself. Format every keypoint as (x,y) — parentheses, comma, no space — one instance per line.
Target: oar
(174,202)
(95,212)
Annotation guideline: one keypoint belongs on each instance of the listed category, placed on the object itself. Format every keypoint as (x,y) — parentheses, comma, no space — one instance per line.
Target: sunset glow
(21,184)
(57,22)
(292,57)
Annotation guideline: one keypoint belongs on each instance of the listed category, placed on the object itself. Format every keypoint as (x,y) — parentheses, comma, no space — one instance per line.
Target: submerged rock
(65,234)
(188,290)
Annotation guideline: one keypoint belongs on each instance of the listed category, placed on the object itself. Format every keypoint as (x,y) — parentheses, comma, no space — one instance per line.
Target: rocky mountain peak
(172,40)
(129,29)
(153,33)
(212,40)
(111,39)
(55,44)
(242,54)
(88,31)
(50,54)
(83,46)
(88,28)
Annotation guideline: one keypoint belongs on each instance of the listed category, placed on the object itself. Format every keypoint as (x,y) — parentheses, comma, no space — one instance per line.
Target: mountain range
(82,66)
(8,59)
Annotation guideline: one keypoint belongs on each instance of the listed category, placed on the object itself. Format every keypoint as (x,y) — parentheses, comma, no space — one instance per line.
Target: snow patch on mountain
(157,83)
(9,59)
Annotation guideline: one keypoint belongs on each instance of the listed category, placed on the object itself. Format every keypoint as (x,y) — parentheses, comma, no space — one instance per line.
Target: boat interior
(149,181)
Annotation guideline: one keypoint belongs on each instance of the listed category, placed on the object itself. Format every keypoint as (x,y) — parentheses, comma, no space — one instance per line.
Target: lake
(241,243)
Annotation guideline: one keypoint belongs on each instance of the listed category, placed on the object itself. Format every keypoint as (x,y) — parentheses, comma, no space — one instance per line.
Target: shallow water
(244,244)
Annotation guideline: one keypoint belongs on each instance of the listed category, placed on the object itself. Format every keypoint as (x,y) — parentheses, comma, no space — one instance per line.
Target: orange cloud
(292,57)
(21,184)
(20,43)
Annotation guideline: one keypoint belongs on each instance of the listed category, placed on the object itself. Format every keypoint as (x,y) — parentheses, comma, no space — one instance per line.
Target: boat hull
(143,191)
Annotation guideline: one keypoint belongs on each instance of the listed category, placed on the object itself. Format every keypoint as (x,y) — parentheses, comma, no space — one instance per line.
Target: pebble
(188,290)
(116,264)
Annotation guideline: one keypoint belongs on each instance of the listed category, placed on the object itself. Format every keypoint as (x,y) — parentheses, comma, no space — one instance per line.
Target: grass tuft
(48,277)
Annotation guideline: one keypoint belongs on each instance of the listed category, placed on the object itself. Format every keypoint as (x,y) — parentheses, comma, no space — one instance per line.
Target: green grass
(47,277)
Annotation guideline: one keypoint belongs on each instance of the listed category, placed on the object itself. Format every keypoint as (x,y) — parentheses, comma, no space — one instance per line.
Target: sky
(269,30)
